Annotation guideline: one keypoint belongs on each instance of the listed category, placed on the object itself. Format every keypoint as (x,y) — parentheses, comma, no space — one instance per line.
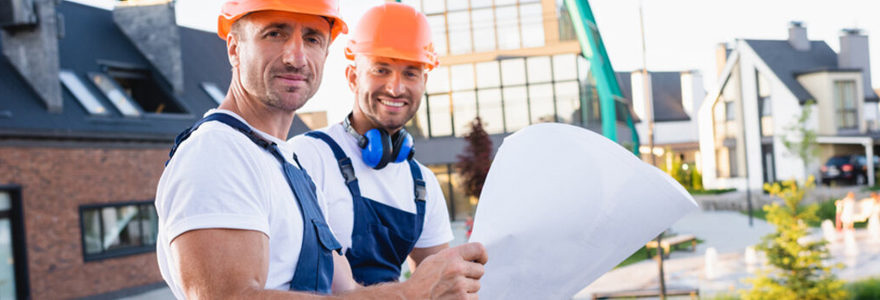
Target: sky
(680,34)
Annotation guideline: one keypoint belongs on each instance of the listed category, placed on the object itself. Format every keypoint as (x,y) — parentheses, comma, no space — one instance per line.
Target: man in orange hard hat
(238,217)
(383,205)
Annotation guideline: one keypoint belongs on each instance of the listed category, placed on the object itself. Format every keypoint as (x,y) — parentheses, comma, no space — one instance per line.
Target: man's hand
(453,273)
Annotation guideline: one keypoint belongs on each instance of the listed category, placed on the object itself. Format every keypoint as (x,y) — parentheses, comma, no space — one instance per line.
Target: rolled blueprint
(563,205)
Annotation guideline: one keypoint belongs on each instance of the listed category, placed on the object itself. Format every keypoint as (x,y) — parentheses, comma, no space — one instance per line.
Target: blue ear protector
(378,148)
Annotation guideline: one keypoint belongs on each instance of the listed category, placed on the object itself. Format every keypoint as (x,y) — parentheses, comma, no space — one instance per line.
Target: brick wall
(54,183)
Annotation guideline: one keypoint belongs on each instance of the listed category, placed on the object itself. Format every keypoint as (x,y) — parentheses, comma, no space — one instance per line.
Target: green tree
(474,163)
(797,269)
(801,140)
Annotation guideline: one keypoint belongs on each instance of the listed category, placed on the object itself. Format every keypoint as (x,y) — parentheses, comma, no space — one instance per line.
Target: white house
(762,89)
(675,97)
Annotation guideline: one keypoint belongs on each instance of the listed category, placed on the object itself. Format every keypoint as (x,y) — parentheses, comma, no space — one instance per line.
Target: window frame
(839,104)
(114,253)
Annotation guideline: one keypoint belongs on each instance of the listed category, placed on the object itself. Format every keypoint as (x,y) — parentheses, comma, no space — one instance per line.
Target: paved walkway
(729,234)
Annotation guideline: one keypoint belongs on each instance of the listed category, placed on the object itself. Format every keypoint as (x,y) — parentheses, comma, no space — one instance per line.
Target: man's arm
(419,254)
(230,263)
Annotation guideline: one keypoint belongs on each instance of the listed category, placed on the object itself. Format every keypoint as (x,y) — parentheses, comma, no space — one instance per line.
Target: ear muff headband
(378,148)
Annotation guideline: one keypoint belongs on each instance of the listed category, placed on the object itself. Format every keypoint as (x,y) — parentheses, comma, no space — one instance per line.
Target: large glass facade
(506,94)
(486,25)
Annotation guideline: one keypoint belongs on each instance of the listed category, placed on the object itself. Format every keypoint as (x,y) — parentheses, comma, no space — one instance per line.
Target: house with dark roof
(764,86)
(90,103)
(674,97)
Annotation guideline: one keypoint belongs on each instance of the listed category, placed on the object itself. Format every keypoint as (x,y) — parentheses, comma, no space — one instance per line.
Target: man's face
(389,91)
(280,56)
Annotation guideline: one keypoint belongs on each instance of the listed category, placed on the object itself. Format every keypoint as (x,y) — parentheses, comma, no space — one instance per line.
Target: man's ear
(351,75)
(232,49)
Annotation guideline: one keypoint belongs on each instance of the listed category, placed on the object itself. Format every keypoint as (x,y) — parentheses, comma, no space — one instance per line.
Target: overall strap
(344,162)
(420,192)
(222,118)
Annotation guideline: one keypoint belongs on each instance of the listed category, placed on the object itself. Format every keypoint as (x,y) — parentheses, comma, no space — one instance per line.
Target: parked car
(852,168)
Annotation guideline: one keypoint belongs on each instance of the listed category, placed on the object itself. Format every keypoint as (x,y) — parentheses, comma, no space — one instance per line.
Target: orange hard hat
(235,9)
(393,30)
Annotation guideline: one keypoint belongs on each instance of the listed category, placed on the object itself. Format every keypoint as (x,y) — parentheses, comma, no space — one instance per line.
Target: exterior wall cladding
(54,182)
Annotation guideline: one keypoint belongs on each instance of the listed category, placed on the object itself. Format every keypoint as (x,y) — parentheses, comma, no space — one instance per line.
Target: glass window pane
(438,81)
(150,223)
(453,5)
(480,3)
(516,110)
(441,118)
(92,231)
(5,201)
(7,261)
(459,32)
(433,6)
(417,4)
(539,69)
(490,110)
(483,23)
(119,230)
(464,204)
(462,77)
(532,24)
(564,67)
(442,174)
(583,68)
(514,71)
(121,100)
(504,2)
(464,106)
(438,30)
(567,102)
(81,93)
(508,28)
(418,125)
(541,103)
(488,74)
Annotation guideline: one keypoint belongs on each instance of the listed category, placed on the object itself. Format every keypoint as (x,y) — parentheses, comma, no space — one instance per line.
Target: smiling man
(383,205)
(238,217)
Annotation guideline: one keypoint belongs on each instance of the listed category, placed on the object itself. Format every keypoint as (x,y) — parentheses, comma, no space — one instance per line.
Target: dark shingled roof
(92,37)
(666,92)
(787,63)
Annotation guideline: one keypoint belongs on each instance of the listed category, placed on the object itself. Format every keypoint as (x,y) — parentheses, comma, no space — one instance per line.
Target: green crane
(606,83)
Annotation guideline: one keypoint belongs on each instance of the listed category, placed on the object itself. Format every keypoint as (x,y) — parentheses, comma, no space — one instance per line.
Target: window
(459,32)
(440,114)
(513,71)
(120,100)
(114,230)
(764,107)
(141,86)
(729,111)
(845,104)
(532,23)
(459,204)
(81,93)
(214,92)
(464,106)
(507,27)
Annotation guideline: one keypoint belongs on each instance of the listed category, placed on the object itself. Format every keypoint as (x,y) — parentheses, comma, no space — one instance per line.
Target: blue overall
(314,268)
(382,236)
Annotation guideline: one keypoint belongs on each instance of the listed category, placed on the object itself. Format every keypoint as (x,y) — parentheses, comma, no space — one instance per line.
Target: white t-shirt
(392,186)
(220,179)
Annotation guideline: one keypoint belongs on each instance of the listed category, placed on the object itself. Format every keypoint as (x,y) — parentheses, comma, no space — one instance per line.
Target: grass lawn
(642,254)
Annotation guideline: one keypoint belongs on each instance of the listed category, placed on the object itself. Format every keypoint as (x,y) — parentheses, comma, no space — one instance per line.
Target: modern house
(764,86)
(90,103)
(675,98)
